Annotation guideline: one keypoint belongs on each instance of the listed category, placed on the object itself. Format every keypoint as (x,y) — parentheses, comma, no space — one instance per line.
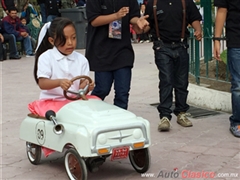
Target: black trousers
(172,61)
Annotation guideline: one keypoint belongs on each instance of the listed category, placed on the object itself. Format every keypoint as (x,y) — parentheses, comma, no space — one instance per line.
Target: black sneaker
(15,57)
(235,130)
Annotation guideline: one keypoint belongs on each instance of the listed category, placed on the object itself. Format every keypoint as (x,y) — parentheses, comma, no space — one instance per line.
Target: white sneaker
(30,55)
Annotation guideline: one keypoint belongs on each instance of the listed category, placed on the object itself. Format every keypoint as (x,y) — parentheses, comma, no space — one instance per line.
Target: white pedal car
(88,131)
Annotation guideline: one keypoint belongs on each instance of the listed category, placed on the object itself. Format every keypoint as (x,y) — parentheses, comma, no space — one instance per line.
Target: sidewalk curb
(208,98)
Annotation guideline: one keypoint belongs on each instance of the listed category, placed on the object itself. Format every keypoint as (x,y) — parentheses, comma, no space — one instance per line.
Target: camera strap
(183,23)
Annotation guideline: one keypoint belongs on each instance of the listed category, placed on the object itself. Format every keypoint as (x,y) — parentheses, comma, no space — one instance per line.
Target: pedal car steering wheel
(81,93)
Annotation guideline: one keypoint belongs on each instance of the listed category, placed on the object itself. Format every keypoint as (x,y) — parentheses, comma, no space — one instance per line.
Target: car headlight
(137,133)
(102,139)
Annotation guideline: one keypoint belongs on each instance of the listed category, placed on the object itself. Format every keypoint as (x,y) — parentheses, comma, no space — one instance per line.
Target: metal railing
(202,68)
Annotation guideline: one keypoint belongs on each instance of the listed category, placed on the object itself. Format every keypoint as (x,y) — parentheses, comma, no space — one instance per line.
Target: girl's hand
(65,84)
(84,83)
(91,86)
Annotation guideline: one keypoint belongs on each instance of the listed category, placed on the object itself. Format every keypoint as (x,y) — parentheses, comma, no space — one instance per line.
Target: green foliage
(223,56)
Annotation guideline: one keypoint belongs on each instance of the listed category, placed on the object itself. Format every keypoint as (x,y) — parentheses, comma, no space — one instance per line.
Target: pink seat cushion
(40,107)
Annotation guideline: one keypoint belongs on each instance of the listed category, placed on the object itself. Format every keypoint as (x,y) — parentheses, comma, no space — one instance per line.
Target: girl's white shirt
(54,65)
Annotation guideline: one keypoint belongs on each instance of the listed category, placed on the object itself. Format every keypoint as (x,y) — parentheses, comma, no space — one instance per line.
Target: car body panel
(88,126)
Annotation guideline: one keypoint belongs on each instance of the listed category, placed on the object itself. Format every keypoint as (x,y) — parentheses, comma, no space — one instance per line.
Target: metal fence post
(207,29)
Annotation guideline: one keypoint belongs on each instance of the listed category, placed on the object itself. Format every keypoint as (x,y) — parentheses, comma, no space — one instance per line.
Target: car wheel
(34,153)
(75,166)
(140,159)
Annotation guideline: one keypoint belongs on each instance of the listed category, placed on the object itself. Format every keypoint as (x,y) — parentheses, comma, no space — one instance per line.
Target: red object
(40,107)
(120,153)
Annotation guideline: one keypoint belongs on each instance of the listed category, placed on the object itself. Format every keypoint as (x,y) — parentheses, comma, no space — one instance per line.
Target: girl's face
(71,40)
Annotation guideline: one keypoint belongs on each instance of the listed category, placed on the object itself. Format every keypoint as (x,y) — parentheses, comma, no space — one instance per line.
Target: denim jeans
(27,44)
(11,39)
(43,12)
(50,18)
(122,81)
(172,61)
(233,57)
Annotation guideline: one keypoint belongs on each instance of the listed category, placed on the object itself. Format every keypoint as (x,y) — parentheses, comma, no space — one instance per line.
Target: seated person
(56,63)
(2,50)
(11,40)
(24,23)
(28,11)
(13,25)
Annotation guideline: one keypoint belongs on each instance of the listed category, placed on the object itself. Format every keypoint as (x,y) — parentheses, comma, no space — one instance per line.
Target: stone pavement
(204,150)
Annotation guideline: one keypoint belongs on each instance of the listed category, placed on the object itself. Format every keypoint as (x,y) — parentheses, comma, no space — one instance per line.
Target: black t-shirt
(169,15)
(232,21)
(102,52)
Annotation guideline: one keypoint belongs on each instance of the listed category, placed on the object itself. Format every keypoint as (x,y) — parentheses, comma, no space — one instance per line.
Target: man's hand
(142,22)
(24,34)
(216,50)
(198,35)
(140,25)
(122,12)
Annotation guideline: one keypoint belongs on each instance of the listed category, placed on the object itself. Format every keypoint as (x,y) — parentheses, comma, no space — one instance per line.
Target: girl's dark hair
(56,32)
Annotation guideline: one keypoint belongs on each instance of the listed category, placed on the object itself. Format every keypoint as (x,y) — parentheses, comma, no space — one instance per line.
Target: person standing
(109,49)
(229,12)
(171,55)
(41,3)
(52,9)
(6,4)
(27,11)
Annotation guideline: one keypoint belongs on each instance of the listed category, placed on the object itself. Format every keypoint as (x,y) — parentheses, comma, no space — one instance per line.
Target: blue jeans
(43,12)
(11,39)
(27,44)
(172,61)
(233,56)
(50,18)
(121,79)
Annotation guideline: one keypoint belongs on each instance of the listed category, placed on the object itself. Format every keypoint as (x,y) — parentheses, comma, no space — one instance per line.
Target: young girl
(56,62)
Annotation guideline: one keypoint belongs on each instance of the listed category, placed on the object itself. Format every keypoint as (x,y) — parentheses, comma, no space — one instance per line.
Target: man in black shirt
(171,56)
(229,11)
(52,9)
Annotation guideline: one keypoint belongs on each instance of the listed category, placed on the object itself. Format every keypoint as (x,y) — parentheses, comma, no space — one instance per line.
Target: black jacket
(52,7)
(6,4)
(41,1)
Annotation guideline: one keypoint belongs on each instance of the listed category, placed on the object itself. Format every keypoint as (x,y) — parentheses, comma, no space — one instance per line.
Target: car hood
(94,112)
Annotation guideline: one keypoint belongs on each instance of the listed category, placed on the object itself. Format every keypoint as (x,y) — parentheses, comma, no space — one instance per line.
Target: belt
(172,44)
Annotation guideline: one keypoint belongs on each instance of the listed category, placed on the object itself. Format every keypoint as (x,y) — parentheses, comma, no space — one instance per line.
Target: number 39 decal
(40,132)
